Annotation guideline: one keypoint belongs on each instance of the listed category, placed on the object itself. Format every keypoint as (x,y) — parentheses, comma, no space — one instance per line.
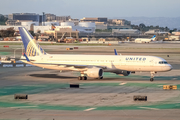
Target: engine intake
(94,72)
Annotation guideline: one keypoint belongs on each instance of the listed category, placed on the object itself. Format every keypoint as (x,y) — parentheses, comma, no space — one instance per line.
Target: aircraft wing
(73,65)
(65,65)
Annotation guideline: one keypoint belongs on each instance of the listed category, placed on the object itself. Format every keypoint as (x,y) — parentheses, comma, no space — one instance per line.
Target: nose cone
(169,67)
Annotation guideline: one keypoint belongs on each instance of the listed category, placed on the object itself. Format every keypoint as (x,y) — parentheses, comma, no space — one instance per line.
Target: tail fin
(53,26)
(115,52)
(153,38)
(31,47)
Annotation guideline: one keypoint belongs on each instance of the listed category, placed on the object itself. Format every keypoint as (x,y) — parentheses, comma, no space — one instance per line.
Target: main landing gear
(82,77)
(152,76)
(85,78)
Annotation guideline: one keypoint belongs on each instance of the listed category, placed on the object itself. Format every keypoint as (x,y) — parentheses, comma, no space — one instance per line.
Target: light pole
(17,49)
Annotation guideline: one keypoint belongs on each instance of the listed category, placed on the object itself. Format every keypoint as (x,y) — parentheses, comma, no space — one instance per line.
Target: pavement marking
(19,65)
(122,83)
(35,85)
(89,109)
(149,108)
(23,107)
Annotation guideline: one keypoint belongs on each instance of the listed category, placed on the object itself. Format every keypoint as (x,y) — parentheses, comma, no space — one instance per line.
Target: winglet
(115,52)
(26,57)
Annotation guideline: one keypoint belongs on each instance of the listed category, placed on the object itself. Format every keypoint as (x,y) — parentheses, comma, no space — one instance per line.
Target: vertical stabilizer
(31,47)
(153,38)
(115,52)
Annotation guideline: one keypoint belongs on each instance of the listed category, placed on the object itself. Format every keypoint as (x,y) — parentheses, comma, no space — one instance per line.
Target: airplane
(90,65)
(145,40)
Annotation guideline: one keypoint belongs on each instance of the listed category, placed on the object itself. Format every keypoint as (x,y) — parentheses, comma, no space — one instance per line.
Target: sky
(94,8)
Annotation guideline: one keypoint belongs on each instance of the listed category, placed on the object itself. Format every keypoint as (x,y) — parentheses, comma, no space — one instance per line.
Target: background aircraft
(145,40)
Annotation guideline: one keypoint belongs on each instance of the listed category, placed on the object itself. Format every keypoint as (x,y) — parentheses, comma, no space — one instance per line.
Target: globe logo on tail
(34,49)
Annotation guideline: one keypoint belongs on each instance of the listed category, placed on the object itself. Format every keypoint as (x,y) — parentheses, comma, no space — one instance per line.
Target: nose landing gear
(152,76)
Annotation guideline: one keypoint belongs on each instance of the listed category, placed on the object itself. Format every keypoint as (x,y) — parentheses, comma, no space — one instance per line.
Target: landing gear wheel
(100,77)
(79,78)
(152,76)
(84,78)
(152,79)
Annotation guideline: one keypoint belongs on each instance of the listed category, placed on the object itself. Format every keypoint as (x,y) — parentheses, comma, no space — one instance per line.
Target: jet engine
(94,72)
(123,73)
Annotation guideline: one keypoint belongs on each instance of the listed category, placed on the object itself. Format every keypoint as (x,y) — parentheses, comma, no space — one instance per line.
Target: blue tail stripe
(115,52)
(26,57)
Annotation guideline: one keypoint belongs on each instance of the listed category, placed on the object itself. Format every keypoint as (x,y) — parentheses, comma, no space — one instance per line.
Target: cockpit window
(163,62)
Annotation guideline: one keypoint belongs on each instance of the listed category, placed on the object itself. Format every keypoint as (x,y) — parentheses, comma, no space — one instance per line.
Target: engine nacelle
(94,72)
(123,73)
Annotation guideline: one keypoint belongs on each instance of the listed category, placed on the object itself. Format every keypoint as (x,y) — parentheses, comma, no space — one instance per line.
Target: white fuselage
(110,62)
(143,40)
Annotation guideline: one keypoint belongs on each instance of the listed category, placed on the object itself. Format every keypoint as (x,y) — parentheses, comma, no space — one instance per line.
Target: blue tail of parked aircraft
(153,38)
(115,52)
(31,47)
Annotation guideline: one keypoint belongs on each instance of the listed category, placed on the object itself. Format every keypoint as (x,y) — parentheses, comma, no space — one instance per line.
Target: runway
(112,98)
